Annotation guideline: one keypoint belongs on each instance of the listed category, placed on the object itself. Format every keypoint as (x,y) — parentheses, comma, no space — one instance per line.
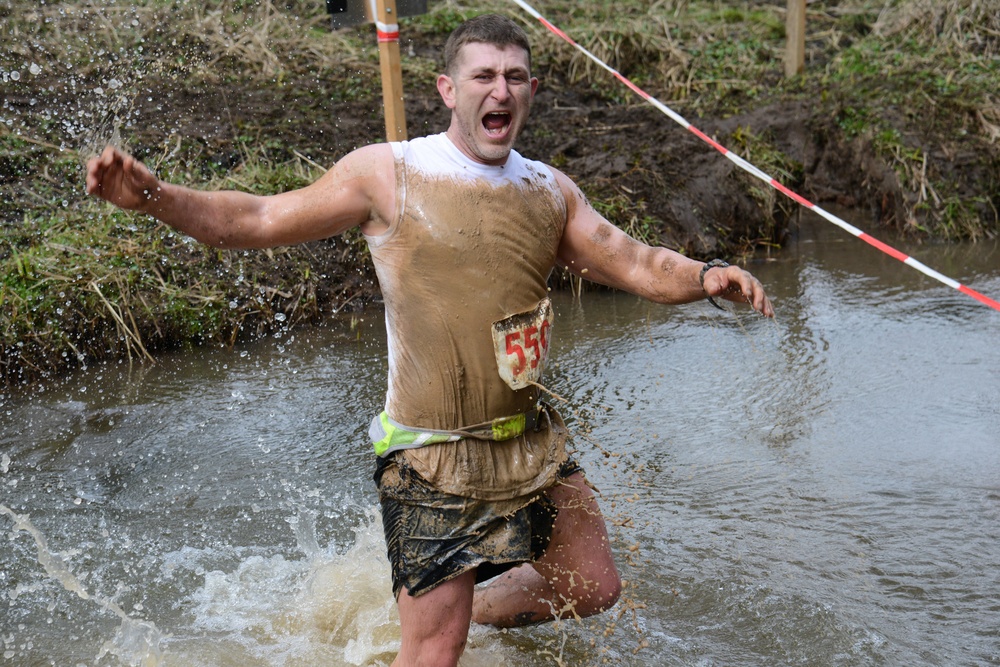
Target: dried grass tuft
(988,116)
(187,36)
(972,25)
(268,40)
(636,48)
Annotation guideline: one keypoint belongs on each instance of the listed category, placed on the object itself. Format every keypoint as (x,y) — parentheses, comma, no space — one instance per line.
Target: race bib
(521,344)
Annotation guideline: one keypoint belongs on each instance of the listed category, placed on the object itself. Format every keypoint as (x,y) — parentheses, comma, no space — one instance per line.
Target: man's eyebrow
(485,69)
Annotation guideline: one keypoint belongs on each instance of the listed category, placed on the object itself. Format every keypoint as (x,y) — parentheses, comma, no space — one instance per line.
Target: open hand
(739,286)
(121,179)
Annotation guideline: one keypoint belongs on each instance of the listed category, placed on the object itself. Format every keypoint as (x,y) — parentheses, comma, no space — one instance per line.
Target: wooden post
(387,27)
(795,28)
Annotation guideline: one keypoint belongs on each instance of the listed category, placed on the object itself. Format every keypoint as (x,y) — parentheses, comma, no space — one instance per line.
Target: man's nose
(500,89)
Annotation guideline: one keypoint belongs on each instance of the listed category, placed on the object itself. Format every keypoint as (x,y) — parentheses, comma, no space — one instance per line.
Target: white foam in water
(328,608)
(332,609)
(348,600)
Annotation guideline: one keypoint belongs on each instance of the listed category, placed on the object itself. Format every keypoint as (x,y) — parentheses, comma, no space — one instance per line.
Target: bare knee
(598,591)
(579,564)
(607,591)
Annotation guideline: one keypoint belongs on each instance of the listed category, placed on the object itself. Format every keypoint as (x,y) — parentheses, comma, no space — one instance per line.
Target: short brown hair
(486,29)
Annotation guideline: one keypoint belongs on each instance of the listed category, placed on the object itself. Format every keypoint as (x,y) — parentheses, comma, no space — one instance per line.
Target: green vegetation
(86,283)
(759,150)
(262,96)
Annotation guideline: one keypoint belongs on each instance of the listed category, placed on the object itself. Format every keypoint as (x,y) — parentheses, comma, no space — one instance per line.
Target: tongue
(495,121)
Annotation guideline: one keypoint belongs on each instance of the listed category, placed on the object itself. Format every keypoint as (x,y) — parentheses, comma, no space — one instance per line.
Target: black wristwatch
(701,278)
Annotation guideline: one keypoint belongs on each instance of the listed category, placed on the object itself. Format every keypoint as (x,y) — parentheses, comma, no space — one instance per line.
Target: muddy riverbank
(264,97)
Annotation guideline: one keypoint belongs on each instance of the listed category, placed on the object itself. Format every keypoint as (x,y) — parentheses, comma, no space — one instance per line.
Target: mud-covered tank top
(471,245)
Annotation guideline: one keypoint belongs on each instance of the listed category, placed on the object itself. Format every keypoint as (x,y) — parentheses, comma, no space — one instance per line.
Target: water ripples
(820,489)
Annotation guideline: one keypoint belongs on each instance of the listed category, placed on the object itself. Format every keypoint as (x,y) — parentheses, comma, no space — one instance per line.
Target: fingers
(119,178)
(740,286)
(98,168)
(762,304)
(753,291)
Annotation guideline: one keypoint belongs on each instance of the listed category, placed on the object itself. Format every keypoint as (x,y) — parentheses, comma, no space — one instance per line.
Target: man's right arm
(358,191)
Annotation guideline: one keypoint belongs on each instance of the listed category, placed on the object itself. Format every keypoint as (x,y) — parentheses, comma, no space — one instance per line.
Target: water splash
(329,608)
(349,606)
(136,643)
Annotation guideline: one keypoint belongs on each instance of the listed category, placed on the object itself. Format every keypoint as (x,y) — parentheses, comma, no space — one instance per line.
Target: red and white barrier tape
(387,32)
(746,166)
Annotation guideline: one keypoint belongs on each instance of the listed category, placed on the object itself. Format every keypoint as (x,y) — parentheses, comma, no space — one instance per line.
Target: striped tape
(746,166)
(387,32)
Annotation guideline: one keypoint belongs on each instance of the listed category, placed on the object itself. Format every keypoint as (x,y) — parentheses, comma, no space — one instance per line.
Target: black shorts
(432,537)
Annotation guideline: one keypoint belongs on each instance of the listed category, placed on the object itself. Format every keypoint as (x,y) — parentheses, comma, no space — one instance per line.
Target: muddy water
(822,489)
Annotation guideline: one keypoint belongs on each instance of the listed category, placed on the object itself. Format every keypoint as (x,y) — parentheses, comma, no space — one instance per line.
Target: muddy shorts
(432,537)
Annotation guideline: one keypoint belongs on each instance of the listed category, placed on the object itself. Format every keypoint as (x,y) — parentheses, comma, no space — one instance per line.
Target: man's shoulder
(431,142)
(368,156)
(523,162)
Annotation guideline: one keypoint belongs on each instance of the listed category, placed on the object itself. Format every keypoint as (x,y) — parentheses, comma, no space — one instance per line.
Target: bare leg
(435,625)
(575,577)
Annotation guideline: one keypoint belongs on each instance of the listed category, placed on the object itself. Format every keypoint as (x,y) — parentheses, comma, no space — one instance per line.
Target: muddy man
(474,480)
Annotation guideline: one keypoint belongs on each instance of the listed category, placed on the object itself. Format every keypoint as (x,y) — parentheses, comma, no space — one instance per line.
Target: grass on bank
(936,64)
(89,283)
(79,283)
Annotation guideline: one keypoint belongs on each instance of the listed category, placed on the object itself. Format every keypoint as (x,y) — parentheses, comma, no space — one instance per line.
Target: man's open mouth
(496,122)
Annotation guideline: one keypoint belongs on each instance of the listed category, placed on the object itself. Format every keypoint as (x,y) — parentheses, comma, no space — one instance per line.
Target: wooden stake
(795,28)
(387,27)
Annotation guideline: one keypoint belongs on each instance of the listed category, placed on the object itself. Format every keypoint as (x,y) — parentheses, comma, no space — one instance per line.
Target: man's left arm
(595,249)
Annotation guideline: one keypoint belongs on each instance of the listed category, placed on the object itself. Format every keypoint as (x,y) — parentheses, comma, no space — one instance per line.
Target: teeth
(491,118)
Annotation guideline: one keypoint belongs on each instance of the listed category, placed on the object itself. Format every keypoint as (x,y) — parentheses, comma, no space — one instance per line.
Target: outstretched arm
(358,190)
(595,249)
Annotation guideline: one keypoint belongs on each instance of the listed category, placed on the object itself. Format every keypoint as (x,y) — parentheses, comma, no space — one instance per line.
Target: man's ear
(446,87)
